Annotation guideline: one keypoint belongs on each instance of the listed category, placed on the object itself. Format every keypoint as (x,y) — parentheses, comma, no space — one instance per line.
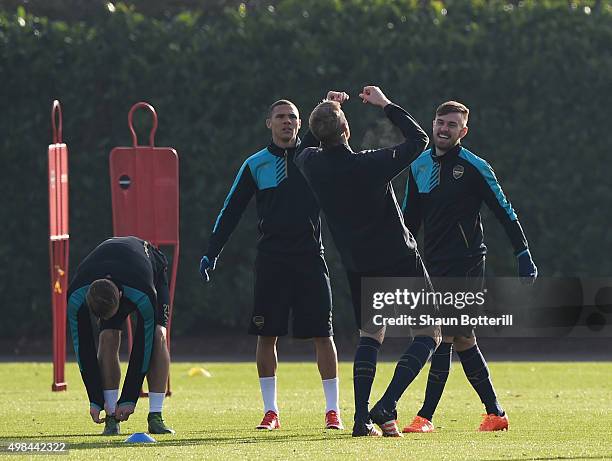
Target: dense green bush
(535,74)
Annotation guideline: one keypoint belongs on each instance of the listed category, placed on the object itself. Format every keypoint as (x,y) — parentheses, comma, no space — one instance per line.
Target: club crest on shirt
(258,320)
(458,171)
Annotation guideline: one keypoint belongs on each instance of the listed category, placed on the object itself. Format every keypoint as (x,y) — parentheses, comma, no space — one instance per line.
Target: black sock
(438,374)
(407,369)
(364,369)
(477,373)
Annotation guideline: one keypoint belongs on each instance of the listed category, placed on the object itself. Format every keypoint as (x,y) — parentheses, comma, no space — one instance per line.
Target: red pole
(172,282)
(58,245)
(59,279)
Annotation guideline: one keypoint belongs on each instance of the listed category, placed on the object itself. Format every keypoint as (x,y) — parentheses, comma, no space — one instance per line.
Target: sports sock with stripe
(436,380)
(477,373)
(408,367)
(364,370)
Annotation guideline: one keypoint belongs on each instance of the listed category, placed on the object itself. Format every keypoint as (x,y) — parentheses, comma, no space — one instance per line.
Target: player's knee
(463,343)
(434,332)
(325,347)
(323,341)
(109,342)
(378,335)
(436,335)
(160,333)
(437,339)
(267,341)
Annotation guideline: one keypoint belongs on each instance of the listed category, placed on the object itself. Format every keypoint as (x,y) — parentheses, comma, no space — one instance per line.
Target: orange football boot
(419,424)
(493,422)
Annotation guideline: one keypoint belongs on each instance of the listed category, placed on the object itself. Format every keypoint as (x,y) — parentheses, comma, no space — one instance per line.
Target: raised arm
(386,163)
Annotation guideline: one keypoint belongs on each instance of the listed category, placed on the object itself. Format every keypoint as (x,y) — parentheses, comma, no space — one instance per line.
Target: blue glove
(205,265)
(527,269)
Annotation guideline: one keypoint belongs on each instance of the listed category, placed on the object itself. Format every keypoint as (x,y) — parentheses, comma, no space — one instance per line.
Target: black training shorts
(295,286)
(470,269)
(411,266)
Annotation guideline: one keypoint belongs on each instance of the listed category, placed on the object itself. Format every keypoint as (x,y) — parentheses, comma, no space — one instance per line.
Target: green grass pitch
(556,410)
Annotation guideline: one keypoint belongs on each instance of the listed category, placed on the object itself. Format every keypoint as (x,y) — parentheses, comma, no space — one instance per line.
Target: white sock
(110,400)
(156,401)
(330,388)
(268,392)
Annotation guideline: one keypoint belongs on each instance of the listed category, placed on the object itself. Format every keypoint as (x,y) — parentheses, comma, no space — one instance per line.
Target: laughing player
(446,187)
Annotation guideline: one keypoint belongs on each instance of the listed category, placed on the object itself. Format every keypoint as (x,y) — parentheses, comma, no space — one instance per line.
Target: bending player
(120,276)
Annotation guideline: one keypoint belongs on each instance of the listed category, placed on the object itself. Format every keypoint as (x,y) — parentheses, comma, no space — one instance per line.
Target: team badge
(458,171)
(258,320)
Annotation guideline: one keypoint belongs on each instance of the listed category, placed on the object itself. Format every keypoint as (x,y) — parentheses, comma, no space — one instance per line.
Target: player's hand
(374,95)
(207,265)
(94,412)
(528,272)
(123,412)
(338,96)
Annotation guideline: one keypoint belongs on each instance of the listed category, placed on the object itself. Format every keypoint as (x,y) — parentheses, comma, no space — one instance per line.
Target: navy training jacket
(355,193)
(289,221)
(445,194)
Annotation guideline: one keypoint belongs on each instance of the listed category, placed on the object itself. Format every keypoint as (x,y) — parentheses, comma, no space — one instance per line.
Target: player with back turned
(355,193)
(447,185)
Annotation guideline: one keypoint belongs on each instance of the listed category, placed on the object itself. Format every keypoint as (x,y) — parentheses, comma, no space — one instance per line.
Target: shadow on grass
(233,440)
(169,441)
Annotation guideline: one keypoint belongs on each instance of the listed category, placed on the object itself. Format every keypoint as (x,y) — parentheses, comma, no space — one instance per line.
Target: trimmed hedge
(536,76)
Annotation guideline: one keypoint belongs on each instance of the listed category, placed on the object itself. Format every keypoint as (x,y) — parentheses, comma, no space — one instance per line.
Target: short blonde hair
(326,122)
